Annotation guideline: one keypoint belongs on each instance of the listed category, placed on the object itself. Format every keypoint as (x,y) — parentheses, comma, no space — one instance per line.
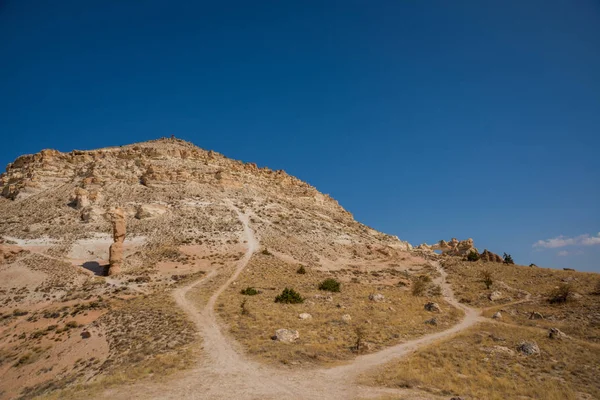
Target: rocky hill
(161,270)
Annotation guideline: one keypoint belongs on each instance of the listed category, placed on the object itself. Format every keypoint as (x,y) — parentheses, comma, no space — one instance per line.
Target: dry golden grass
(326,337)
(472,364)
(512,280)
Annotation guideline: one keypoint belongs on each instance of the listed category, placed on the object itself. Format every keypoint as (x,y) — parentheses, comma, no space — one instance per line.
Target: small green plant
(486,278)
(561,294)
(301,270)
(473,256)
(249,291)
(289,296)
(508,259)
(330,285)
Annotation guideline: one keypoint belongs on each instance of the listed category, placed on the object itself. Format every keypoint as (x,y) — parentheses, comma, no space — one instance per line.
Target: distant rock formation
(116,249)
(490,257)
(452,248)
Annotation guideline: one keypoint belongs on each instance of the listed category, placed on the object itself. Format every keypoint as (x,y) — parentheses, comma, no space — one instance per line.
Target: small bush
(596,290)
(19,313)
(266,252)
(244,308)
(71,324)
(436,291)
(561,294)
(419,286)
(249,291)
(508,259)
(301,270)
(486,278)
(473,256)
(330,285)
(289,296)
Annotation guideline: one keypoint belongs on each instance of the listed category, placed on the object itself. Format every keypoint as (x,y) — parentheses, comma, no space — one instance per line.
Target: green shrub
(301,270)
(508,259)
(249,291)
(330,285)
(289,296)
(473,256)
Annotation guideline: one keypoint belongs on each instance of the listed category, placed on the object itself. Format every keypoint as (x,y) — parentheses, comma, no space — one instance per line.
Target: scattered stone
(495,295)
(557,334)
(286,335)
(504,350)
(305,316)
(528,348)
(497,315)
(346,318)
(376,297)
(432,321)
(536,315)
(433,307)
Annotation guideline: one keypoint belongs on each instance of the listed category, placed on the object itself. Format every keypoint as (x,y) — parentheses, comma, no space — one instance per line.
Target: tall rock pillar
(116,249)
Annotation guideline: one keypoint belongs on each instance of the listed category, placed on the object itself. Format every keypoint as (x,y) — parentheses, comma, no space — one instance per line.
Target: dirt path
(226,372)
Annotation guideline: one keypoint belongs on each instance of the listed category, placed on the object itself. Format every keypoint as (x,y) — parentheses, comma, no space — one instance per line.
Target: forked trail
(226,373)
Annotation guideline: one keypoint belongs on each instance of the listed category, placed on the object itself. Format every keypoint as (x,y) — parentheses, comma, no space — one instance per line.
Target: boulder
(376,297)
(536,315)
(495,295)
(528,348)
(85,334)
(286,335)
(557,334)
(346,318)
(497,315)
(433,307)
(305,316)
(145,211)
(432,321)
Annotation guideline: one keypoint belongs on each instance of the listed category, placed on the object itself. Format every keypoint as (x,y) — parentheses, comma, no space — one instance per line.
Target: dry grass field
(326,337)
(483,363)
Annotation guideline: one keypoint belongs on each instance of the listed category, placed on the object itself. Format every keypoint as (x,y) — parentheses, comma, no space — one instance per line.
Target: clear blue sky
(425,119)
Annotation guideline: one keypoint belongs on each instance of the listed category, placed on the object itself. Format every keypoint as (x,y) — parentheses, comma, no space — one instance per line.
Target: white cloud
(563,241)
(563,253)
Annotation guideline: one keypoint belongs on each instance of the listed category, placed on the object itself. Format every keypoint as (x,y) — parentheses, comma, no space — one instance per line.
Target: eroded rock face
(490,257)
(454,247)
(145,211)
(116,249)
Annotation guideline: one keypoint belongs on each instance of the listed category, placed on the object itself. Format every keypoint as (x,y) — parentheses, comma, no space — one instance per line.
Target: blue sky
(428,120)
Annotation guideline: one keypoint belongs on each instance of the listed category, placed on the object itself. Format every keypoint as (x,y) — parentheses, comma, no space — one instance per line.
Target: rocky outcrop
(495,295)
(145,211)
(116,249)
(490,257)
(556,334)
(376,297)
(454,247)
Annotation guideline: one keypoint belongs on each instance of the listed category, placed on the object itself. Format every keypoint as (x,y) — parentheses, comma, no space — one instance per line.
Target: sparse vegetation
(330,285)
(266,252)
(561,294)
(419,285)
(486,278)
(289,296)
(249,291)
(473,256)
(244,308)
(507,259)
(301,270)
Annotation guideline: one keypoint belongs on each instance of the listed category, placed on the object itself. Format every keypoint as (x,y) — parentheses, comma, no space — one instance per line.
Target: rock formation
(116,249)
(452,248)
(490,257)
